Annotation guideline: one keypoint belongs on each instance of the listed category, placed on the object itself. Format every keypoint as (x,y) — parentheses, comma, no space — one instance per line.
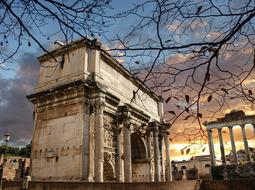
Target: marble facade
(90,125)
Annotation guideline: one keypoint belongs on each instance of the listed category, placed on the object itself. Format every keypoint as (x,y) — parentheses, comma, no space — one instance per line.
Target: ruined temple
(92,123)
(235,170)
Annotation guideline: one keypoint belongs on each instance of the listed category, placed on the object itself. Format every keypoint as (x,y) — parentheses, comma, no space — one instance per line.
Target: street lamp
(7,138)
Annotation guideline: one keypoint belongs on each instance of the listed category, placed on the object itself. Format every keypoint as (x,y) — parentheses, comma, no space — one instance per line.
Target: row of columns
(124,162)
(233,146)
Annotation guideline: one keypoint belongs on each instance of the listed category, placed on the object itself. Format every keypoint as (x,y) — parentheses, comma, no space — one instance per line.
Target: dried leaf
(170,139)
(203,149)
(250,92)
(168,99)
(187,151)
(224,90)
(187,98)
(199,9)
(29,44)
(182,152)
(203,48)
(137,62)
(172,112)
(199,115)
(187,117)
(187,110)
(209,98)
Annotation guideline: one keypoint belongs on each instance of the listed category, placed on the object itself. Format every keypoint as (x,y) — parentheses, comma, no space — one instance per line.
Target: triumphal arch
(89,122)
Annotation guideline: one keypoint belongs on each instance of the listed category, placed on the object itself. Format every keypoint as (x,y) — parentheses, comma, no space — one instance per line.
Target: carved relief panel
(110,148)
(109,133)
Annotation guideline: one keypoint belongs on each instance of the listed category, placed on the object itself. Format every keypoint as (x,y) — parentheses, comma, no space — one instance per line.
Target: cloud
(15,110)
(186,132)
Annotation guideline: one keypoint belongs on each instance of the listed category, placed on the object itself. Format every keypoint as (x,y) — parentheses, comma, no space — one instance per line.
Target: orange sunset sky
(178,143)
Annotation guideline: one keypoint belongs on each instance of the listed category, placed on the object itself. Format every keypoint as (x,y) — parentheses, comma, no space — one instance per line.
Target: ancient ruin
(234,118)
(230,120)
(92,123)
(14,167)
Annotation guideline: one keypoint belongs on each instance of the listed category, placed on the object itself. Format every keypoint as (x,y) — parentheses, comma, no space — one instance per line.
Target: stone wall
(141,172)
(52,74)
(14,167)
(234,171)
(53,185)
(242,184)
(11,185)
(124,87)
(83,117)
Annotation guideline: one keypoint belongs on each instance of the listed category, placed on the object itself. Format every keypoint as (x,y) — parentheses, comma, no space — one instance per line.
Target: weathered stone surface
(243,184)
(84,119)
(53,185)
(14,167)
(234,171)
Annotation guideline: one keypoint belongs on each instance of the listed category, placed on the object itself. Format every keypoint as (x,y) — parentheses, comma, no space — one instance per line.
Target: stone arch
(138,147)
(140,163)
(109,172)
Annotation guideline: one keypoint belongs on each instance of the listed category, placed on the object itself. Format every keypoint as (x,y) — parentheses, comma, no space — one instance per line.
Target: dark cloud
(15,109)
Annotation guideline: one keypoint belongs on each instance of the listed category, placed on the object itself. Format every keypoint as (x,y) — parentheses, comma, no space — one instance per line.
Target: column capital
(230,127)
(242,125)
(163,129)
(219,129)
(124,115)
(98,105)
(209,130)
(166,126)
(154,127)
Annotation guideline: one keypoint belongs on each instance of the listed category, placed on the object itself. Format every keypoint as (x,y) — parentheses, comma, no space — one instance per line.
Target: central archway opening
(140,161)
(138,147)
